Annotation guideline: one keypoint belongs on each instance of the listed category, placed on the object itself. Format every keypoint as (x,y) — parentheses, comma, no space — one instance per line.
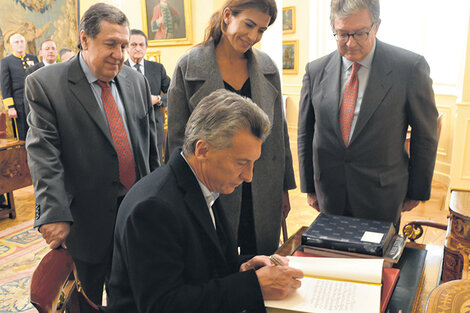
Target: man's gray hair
(218,116)
(90,23)
(345,8)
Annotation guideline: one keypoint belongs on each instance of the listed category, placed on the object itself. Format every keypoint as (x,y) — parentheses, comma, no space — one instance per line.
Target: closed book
(389,281)
(391,256)
(350,234)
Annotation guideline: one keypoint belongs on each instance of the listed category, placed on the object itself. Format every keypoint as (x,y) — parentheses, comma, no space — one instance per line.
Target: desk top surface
(9,143)
(430,276)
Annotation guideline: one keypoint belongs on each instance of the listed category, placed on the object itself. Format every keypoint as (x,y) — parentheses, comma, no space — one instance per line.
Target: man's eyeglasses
(358,37)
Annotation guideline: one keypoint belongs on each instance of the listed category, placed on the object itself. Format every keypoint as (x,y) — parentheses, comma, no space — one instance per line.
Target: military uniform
(13,73)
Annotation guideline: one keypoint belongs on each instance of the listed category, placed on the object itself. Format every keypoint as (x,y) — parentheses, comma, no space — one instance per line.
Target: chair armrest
(414,230)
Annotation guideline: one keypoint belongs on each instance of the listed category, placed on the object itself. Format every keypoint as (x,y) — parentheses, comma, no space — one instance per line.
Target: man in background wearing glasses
(355,108)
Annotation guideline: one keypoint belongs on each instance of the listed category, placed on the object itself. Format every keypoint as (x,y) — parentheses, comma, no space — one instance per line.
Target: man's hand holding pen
(277,280)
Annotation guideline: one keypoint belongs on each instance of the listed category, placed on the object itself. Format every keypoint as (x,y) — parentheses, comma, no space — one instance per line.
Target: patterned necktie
(346,113)
(119,135)
(137,66)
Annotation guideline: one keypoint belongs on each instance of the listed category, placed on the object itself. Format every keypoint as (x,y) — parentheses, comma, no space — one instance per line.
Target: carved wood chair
(457,245)
(55,286)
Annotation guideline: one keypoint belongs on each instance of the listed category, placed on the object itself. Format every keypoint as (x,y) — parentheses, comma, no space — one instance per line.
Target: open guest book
(334,285)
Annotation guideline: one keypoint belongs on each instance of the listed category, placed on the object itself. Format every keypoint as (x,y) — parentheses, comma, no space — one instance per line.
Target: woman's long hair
(217,25)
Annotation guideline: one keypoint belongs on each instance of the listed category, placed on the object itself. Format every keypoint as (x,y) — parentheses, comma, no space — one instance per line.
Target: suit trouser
(21,124)
(94,275)
(348,212)
(160,132)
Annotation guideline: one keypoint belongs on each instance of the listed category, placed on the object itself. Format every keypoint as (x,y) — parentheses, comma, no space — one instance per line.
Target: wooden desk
(14,173)
(430,276)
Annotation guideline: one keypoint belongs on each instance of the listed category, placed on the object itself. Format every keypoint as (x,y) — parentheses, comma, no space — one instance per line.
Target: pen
(275,260)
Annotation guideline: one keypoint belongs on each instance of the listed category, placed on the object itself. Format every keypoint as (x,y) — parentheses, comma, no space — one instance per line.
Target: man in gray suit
(156,75)
(355,108)
(88,142)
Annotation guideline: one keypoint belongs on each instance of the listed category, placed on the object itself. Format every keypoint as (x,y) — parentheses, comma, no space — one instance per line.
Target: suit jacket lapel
(331,90)
(380,82)
(81,89)
(128,98)
(194,198)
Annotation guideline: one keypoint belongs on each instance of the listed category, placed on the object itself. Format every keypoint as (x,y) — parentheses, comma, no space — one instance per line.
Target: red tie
(119,135)
(346,113)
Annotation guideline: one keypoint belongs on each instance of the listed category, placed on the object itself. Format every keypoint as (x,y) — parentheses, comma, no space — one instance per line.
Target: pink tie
(119,135)
(346,113)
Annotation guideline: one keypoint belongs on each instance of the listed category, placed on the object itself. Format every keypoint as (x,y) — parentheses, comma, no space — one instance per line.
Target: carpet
(21,249)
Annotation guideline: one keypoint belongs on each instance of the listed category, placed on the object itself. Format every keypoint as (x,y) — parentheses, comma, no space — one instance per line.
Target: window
(436,29)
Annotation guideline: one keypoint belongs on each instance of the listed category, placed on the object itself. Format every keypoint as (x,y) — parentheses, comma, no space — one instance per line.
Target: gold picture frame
(290,57)
(288,20)
(153,55)
(176,14)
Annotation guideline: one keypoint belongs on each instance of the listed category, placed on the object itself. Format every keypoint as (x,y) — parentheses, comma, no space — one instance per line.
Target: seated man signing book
(172,248)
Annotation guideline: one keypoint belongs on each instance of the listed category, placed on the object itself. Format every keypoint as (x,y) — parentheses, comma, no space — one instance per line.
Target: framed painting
(290,56)
(38,20)
(167,22)
(288,20)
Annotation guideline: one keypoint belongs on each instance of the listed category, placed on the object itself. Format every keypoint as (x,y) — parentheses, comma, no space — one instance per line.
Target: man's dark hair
(91,20)
(44,41)
(64,51)
(141,33)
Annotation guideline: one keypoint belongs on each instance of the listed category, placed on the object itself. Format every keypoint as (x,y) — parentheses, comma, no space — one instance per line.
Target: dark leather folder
(411,267)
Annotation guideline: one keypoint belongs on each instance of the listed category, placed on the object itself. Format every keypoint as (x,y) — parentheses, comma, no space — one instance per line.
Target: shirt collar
(46,64)
(132,63)
(366,62)
(208,195)
(90,76)
(19,56)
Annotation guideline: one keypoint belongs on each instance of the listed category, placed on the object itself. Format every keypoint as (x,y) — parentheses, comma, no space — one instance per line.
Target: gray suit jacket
(196,76)
(374,172)
(159,82)
(71,155)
